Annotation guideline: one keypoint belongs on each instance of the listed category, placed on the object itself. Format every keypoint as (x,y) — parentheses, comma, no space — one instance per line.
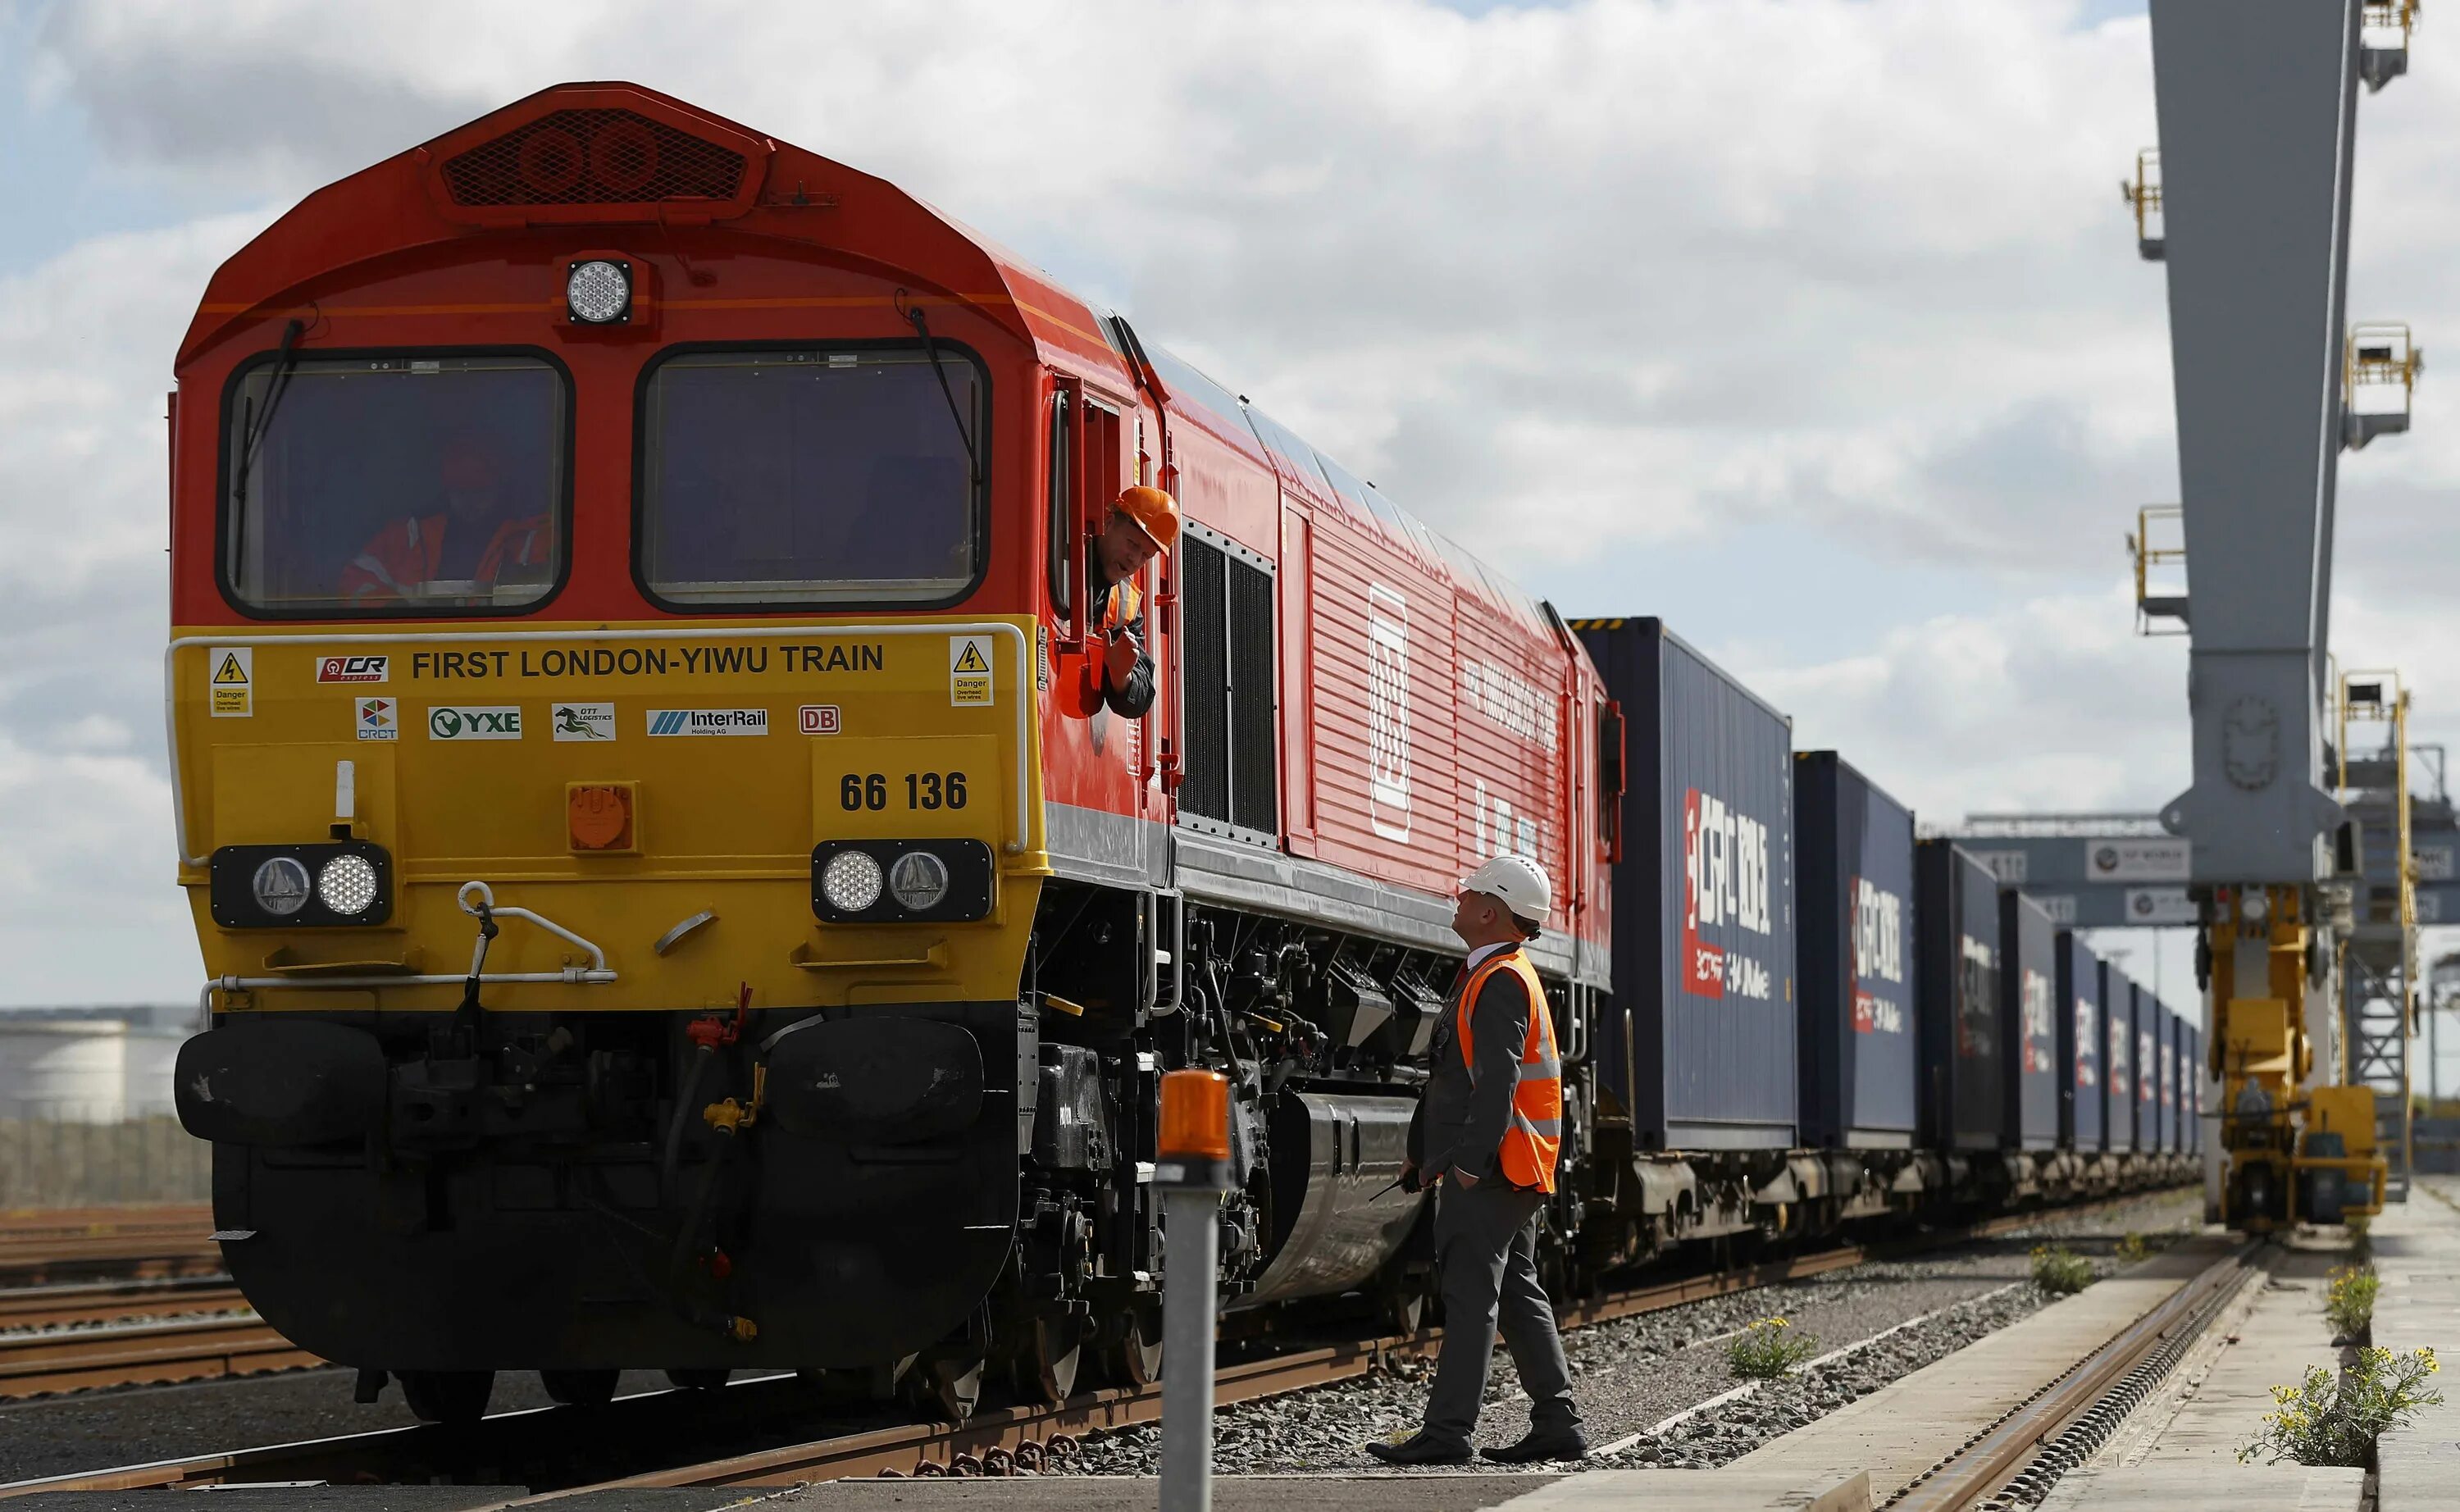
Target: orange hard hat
(1155,512)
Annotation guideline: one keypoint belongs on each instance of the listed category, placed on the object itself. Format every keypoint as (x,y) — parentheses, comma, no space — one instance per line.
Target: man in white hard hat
(1486,1133)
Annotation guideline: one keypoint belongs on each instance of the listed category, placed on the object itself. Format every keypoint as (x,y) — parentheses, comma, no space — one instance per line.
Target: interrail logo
(459,722)
(352,668)
(709,721)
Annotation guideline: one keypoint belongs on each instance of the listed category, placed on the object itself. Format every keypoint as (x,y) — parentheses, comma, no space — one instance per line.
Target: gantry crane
(2246,205)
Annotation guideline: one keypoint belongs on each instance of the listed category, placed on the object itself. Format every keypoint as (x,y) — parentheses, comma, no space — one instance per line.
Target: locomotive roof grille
(593,157)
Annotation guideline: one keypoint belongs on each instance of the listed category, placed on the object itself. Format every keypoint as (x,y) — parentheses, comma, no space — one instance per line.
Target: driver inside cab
(464,547)
(1115,672)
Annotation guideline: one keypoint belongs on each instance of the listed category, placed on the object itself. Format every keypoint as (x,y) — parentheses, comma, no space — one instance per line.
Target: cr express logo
(1878,956)
(1725,885)
(2037,1022)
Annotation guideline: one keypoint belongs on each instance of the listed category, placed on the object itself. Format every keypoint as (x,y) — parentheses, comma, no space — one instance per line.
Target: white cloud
(1581,285)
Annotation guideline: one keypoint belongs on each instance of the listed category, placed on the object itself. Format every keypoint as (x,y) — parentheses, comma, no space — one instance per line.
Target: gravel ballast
(1634,1373)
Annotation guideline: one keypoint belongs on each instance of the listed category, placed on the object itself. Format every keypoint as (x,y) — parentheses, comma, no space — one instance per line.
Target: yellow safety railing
(2382,354)
(2143,194)
(2148,557)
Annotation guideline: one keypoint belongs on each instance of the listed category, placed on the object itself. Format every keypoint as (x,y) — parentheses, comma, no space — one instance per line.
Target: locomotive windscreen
(394,484)
(810,476)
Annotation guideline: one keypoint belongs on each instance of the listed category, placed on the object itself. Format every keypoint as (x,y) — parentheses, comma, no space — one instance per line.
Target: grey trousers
(1486,1253)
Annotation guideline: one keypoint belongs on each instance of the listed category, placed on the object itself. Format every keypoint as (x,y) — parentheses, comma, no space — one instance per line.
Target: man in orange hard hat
(1116,673)
(1486,1133)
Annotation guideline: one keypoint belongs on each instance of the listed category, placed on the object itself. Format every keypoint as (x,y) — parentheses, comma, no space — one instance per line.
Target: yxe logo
(709,721)
(460,722)
(581,721)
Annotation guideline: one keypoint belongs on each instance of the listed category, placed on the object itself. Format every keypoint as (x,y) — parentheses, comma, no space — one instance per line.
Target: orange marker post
(1193,1170)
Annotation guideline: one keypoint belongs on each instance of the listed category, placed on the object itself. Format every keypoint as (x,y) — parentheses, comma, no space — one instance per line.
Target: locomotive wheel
(952,1383)
(1046,1366)
(1403,1306)
(447,1397)
(702,1379)
(1135,1356)
(579,1388)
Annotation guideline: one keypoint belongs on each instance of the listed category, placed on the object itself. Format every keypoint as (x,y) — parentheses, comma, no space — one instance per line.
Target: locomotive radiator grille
(593,157)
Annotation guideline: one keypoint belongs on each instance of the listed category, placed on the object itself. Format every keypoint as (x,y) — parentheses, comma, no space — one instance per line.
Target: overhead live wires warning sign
(230,681)
(969,670)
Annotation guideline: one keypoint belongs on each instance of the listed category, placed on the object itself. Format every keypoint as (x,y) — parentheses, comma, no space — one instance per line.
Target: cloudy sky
(1815,327)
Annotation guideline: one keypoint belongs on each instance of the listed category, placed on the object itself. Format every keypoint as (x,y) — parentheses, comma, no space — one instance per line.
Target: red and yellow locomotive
(658,911)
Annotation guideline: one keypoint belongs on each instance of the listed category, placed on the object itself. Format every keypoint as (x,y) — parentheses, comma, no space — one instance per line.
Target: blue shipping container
(2118,1065)
(2029,975)
(1854,927)
(2080,1043)
(1963,1084)
(2194,1090)
(2165,1044)
(1698,1041)
(2147,1070)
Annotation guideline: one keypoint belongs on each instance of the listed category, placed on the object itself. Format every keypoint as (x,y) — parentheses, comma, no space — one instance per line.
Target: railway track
(2016,1461)
(46,1247)
(555,1449)
(150,1353)
(111,1301)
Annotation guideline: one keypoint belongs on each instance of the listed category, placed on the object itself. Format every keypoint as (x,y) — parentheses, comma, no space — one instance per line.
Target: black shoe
(1420,1450)
(1540,1444)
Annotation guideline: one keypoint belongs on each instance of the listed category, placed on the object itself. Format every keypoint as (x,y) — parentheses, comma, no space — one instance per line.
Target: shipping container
(1699,1043)
(2118,1064)
(2028,974)
(1963,1083)
(2147,1070)
(1853,924)
(2165,1031)
(2081,1040)
(2195,1090)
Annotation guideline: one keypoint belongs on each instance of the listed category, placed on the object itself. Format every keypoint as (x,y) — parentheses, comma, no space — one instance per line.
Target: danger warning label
(969,670)
(230,681)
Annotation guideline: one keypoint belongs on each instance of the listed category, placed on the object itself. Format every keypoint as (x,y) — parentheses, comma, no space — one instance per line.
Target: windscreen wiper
(964,433)
(255,422)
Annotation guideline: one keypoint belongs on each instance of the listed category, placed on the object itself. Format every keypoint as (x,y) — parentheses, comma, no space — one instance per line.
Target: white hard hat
(1517,881)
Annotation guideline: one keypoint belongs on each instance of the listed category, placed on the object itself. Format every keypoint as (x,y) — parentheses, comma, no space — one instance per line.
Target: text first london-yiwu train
(661,912)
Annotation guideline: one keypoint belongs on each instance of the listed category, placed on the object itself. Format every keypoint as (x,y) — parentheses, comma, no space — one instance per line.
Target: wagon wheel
(579,1388)
(1401,1304)
(952,1383)
(1045,1366)
(448,1397)
(1135,1356)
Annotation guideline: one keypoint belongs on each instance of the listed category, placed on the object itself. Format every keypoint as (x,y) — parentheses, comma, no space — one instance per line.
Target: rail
(990,1444)
(2032,1435)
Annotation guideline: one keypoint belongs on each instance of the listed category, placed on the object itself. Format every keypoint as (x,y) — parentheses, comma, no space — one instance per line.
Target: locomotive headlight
(918,880)
(851,881)
(599,292)
(347,884)
(281,886)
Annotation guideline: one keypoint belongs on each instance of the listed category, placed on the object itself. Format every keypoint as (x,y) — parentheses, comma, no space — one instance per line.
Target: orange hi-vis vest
(1536,1132)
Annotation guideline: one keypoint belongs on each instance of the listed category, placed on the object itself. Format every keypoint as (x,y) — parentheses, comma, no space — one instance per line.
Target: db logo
(819,719)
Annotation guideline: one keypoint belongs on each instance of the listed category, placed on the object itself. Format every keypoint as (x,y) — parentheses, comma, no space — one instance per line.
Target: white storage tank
(54,1071)
(150,1055)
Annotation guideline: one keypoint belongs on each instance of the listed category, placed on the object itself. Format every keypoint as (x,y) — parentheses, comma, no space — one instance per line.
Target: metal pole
(1191,1222)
